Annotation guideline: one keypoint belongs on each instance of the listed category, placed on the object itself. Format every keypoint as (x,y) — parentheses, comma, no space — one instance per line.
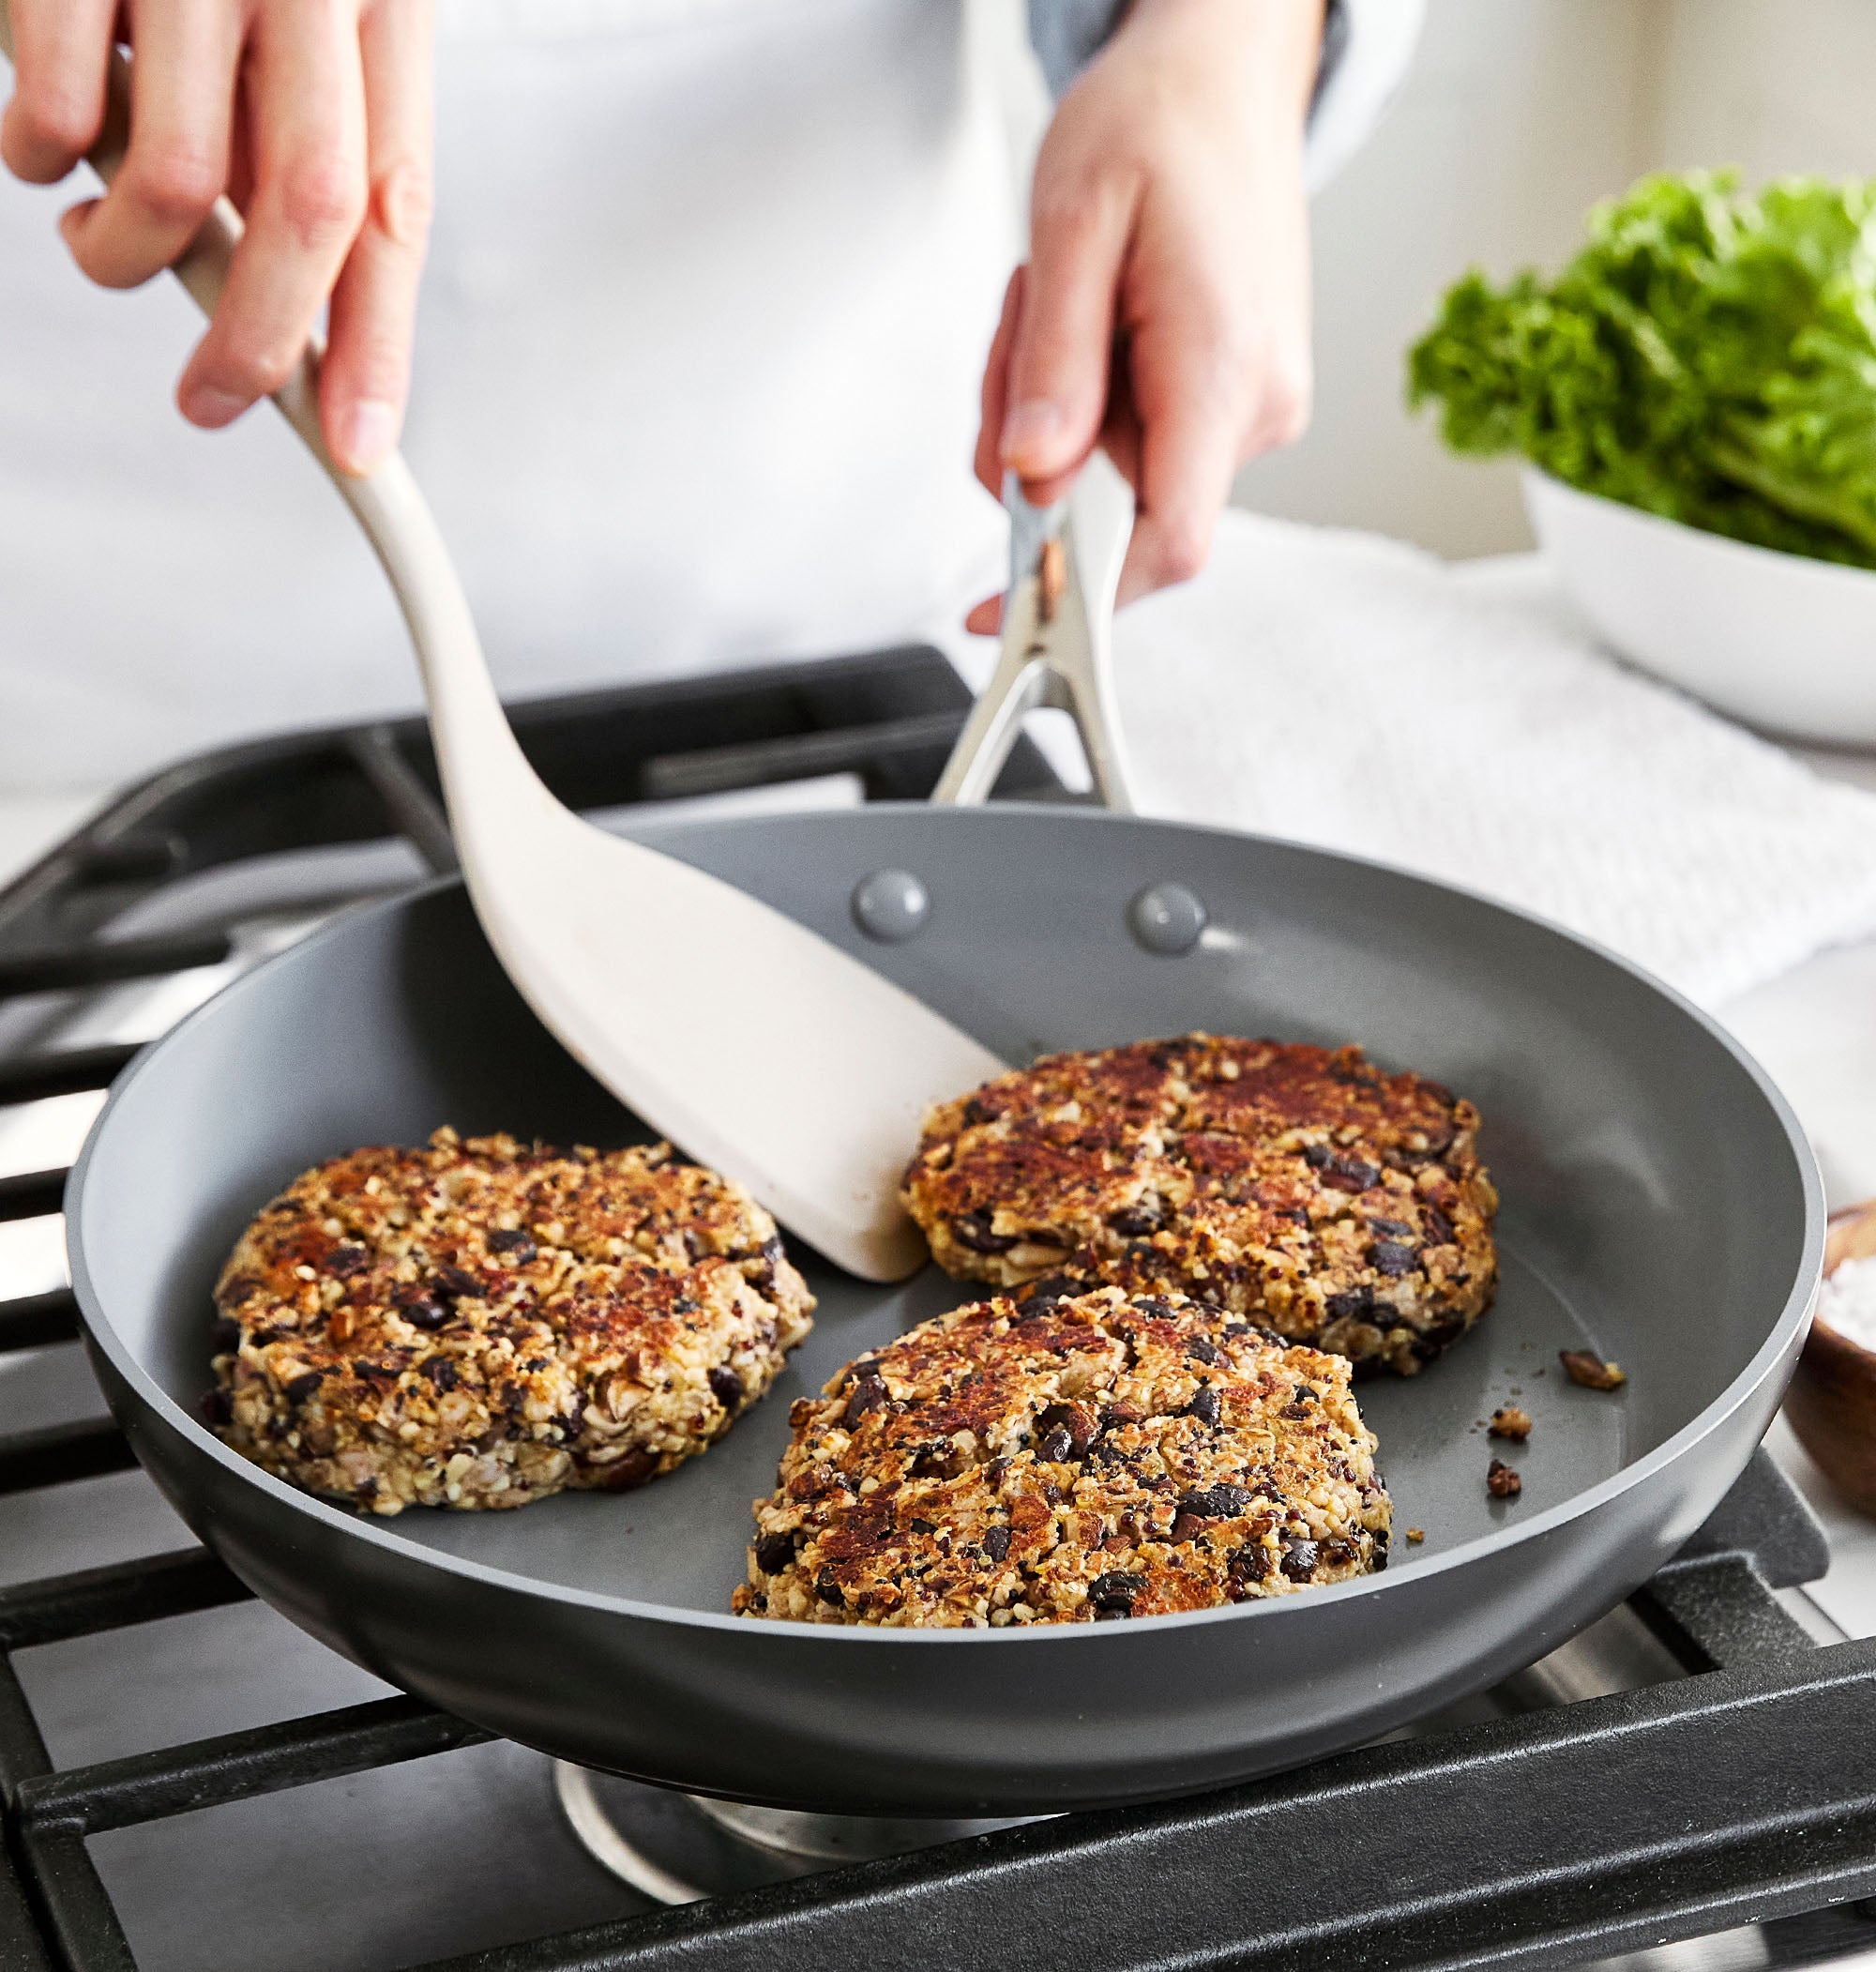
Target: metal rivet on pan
(1167,918)
(891,905)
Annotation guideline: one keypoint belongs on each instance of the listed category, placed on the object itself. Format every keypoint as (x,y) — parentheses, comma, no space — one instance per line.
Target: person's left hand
(1164,311)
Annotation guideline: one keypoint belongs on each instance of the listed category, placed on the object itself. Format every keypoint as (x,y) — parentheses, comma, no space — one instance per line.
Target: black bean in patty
(774,1551)
(1204,1405)
(972,1229)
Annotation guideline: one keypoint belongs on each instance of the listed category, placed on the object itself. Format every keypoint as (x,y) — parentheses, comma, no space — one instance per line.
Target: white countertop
(1814,1030)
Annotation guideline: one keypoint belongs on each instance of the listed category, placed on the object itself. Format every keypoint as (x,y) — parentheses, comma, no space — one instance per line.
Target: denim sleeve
(1066,35)
(1367,46)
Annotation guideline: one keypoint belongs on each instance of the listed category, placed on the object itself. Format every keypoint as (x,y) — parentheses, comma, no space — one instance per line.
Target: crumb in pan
(1501,1480)
(1093,1458)
(482,1323)
(1510,1420)
(1588,1368)
(1297,1186)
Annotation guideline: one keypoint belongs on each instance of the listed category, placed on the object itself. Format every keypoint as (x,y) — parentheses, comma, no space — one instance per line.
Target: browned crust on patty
(1297,1185)
(1062,1460)
(480,1323)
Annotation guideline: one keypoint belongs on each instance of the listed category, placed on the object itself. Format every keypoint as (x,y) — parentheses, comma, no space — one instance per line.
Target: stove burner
(680,1849)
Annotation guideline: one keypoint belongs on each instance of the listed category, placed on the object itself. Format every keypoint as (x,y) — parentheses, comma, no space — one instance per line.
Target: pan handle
(1057,637)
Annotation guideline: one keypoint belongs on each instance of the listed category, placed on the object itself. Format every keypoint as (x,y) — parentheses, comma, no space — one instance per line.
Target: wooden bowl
(1832,1401)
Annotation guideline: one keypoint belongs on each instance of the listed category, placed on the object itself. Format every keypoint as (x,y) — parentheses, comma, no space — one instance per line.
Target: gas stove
(188,1783)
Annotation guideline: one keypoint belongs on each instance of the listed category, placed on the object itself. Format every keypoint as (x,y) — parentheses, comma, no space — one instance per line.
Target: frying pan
(1660,1207)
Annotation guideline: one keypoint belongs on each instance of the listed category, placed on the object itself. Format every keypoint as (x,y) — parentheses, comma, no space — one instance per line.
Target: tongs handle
(1057,636)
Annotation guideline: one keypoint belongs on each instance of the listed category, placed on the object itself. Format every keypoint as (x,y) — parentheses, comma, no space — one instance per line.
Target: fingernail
(213,408)
(366,431)
(1028,431)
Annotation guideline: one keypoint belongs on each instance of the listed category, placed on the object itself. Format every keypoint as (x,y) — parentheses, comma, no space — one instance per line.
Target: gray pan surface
(1659,1207)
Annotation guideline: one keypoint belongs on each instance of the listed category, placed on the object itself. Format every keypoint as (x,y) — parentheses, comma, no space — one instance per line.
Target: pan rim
(1780,1342)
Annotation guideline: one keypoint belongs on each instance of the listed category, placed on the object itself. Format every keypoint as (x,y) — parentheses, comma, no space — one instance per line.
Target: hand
(315,116)
(1164,312)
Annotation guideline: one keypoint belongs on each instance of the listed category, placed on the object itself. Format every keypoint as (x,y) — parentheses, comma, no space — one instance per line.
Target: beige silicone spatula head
(754,1044)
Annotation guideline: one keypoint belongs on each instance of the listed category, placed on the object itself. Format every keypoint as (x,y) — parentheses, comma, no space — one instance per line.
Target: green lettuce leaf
(1709,355)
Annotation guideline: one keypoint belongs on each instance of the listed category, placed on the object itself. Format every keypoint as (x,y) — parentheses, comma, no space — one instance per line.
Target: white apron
(707,302)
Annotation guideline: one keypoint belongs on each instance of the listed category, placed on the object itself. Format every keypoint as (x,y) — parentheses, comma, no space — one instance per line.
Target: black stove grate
(1744,1792)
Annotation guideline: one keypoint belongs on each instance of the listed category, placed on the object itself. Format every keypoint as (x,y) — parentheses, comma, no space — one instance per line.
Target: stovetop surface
(1531,1824)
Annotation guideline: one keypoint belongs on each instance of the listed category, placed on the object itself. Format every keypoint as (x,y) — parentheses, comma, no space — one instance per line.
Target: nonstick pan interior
(1659,1207)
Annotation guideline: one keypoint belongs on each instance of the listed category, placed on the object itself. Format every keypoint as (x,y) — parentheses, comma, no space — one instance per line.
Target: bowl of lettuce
(1694,395)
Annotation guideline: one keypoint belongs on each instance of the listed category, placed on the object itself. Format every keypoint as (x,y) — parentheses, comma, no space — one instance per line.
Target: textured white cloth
(1346,690)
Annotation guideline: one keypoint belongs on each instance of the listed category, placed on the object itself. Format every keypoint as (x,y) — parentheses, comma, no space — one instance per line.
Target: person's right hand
(315,116)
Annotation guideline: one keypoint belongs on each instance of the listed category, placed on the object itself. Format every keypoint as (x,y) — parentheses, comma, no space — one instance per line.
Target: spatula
(756,1045)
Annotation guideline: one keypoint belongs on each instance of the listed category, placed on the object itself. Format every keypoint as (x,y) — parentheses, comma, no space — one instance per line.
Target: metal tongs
(1057,636)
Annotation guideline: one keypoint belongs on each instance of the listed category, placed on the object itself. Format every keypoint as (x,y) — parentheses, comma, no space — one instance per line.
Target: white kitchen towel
(1350,691)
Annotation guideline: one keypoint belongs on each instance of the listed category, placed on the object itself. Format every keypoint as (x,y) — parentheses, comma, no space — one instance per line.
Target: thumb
(1059,354)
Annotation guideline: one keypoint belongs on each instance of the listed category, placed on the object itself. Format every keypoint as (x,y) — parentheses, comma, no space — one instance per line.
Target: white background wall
(1519,114)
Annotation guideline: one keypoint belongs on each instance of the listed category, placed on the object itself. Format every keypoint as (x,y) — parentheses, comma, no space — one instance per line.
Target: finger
(367,373)
(1280,414)
(1120,437)
(1119,425)
(182,93)
(61,49)
(307,128)
(1188,446)
(1058,366)
(988,463)
(985,619)
(241,150)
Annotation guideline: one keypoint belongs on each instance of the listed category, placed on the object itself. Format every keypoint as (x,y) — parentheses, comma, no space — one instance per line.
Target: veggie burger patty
(1294,1185)
(1062,1460)
(483,1323)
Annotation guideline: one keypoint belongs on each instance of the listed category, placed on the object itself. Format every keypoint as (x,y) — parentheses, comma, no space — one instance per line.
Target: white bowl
(1779,641)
